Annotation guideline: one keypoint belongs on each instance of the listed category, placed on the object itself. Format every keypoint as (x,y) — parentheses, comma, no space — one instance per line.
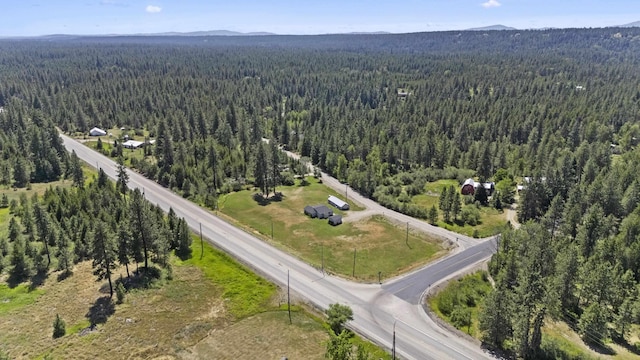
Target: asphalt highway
(379,310)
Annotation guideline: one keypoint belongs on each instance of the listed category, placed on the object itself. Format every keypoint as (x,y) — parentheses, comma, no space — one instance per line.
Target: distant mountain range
(633,24)
(264,33)
(503,27)
(492,27)
(209,33)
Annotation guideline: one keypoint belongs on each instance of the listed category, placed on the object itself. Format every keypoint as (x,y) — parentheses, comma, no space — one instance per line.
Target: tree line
(97,222)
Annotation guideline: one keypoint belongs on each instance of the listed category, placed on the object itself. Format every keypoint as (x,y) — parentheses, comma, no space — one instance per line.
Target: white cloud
(156,9)
(490,4)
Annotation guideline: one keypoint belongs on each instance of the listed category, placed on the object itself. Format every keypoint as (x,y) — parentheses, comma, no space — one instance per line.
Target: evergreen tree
(261,171)
(123,177)
(59,327)
(124,247)
(274,165)
(142,227)
(433,215)
(480,195)
(43,224)
(22,267)
(20,173)
(77,176)
(14,229)
(445,203)
(182,234)
(64,252)
(103,251)
(456,202)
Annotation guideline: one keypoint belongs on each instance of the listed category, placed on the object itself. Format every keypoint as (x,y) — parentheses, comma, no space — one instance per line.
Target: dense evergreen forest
(385,113)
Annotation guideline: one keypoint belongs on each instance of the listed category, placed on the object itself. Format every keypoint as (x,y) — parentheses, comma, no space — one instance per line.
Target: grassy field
(379,245)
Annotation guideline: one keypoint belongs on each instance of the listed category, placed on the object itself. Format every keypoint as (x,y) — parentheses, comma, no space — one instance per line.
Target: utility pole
(379,277)
(201,243)
(393,349)
(288,298)
(271,230)
(322,251)
(407,239)
(346,192)
(354,263)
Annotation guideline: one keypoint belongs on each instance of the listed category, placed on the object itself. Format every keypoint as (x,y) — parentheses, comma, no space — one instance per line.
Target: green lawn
(379,246)
(492,222)
(437,187)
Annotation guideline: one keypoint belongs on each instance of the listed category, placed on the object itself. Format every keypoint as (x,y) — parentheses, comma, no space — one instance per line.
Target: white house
(97,132)
(132,144)
(338,203)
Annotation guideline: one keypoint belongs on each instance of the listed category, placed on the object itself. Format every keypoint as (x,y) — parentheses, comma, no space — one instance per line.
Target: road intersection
(379,310)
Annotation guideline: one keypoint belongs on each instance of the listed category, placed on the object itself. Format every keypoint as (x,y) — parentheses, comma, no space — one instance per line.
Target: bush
(287,179)
(59,327)
(120,292)
(337,316)
(470,215)
(461,316)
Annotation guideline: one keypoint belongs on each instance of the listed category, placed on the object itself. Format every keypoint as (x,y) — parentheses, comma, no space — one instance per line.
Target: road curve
(378,310)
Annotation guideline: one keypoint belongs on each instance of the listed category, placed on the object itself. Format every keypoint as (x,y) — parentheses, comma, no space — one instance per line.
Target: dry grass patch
(150,323)
(270,335)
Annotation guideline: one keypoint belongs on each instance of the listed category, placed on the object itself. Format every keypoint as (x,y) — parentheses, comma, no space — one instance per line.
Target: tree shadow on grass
(63,275)
(16,279)
(143,278)
(264,201)
(38,279)
(632,348)
(601,348)
(100,311)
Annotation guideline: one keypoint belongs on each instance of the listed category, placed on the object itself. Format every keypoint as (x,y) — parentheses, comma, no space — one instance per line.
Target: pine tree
(142,227)
(445,203)
(20,173)
(59,327)
(22,267)
(433,215)
(274,165)
(456,202)
(77,176)
(123,177)
(103,251)
(64,252)
(183,239)
(14,229)
(43,224)
(261,171)
(124,247)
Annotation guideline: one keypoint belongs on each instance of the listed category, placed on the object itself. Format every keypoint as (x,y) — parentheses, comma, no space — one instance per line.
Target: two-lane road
(377,309)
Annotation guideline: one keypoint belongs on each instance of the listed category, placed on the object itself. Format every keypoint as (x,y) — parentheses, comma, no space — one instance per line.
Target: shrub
(120,292)
(59,327)
(337,316)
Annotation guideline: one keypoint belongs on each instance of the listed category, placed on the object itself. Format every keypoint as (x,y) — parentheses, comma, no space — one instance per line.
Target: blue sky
(40,17)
